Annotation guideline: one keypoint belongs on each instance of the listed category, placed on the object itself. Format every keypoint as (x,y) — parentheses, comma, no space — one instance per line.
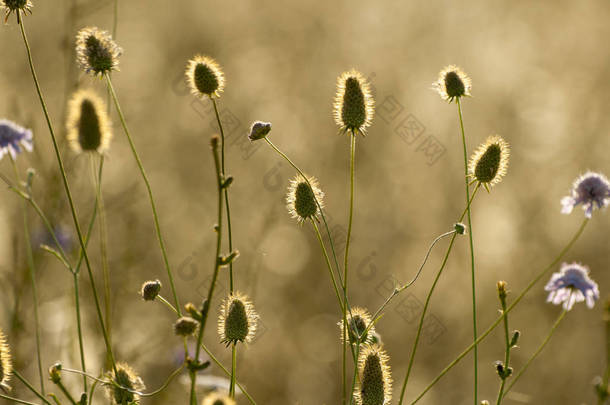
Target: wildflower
(12,137)
(590,189)
(259,130)
(6,365)
(122,384)
(452,83)
(205,77)
(216,398)
(88,126)
(96,51)
(489,162)
(354,104)
(150,290)
(572,284)
(358,320)
(303,198)
(16,6)
(375,387)
(185,326)
(238,319)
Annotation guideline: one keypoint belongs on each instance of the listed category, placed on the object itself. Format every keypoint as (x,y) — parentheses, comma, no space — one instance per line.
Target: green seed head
(237,321)
(302,196)
(375,381)
(6,367)
(489,163)
(453,83)
(185,326)
(96,52)
(353,103)
(11,6)
(88,126)
(124,377)
(205,77)
(150,290)
(358,319)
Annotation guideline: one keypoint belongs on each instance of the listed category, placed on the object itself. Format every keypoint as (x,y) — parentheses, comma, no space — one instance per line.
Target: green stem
(79,328)
(19,401)
(330,269)
(30,387)
(66,186)
(507,352)
(535,280)
(233,371)
(474,296)
(66,392)
(538,350)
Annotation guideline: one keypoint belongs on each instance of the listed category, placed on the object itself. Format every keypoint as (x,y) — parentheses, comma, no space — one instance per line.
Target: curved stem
(510,307)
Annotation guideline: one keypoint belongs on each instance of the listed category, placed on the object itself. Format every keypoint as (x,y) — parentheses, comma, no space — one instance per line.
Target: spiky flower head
(16,6)
(216,398)
(88,127)
(96,51)
(302,196)
(375,387)
(237,320)
(489,162)
(13,137)
(592,190)
(358,319)
(205,77)
(452,83)
(572,284)
(150,290)
(185,326)
(354,105)
(125,377)
(6,365)
(259,130)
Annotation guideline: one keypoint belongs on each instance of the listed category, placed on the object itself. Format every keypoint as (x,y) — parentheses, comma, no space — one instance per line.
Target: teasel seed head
(150,290)
(302,196)
(205,77)
(259,130)
(238,320)
(96,51)
(489,162)
(452,83)
(185,326)
(216,398)
(125,377)
(354,105)
(14,6)
(88,126)
(6,364)
(375,387)
(358,319)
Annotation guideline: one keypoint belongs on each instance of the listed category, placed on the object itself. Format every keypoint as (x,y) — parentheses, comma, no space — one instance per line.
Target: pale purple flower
(572,284)
(590,190)
(13,137)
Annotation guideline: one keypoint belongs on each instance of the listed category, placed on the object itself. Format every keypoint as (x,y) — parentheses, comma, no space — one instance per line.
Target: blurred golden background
(539,72)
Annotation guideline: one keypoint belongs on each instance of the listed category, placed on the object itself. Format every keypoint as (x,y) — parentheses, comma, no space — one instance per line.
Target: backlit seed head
(124,377)
(452,83)
(354,105)
(185,326)
(301,198)
(238,319)
(205,77)
(96,52)
(489,162)
(259,130)
(150,290)
(358,319)
(14,6)
(6,365)
(88,126)
(375,387)
(216,398)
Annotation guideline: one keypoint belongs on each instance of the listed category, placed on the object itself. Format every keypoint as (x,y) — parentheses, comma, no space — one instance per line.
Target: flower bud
(185,326)
(150,290)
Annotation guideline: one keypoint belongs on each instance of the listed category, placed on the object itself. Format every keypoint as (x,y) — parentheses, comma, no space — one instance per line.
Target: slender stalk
(66,392)
(16,400)
(233,371)
(32,273)
(330,269)
(538,350)
(115,18)
(66,185)
(148,189)
(30,387)
(531,284)
(506,354)
(474,295)
(601,399)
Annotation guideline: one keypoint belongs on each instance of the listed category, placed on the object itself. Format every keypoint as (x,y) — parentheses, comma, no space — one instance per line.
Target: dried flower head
(6,365)
(358,320)
(452,83)
(572,284)
(354,105)
(16,6)
(205,77)
(238,319)
(259,130)
(592,190)
(150,290)
(13,137)
(185,326)
(375,387)
(96,51)
(216,398)
(303,198)
(120,389)
(88,127)
(489,162)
